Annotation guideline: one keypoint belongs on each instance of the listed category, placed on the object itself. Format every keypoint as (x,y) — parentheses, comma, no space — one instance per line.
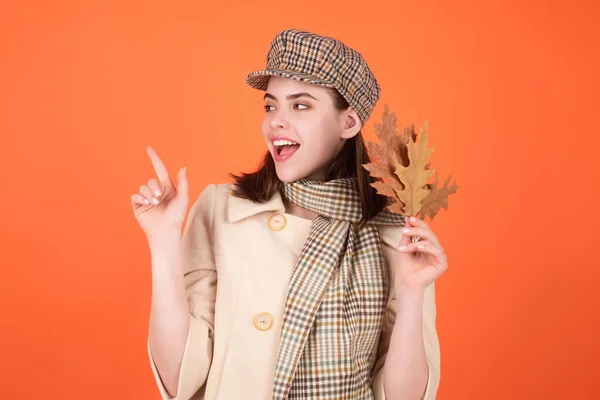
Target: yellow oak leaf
(415,176)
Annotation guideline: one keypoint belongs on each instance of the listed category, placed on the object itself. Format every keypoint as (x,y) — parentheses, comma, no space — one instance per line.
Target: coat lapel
(239,209)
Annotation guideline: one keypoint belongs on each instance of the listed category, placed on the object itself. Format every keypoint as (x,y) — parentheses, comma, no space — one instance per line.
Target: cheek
(265,127)
(323,145)
(329,135)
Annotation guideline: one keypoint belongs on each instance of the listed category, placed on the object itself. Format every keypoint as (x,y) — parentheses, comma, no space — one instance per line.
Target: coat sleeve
(200,277)
(391,238)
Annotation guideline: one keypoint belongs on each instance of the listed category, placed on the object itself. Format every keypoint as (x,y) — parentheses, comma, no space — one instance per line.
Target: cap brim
(260,79)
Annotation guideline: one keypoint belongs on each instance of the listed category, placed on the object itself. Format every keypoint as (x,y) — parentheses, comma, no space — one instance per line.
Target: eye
(267,107)
(299,105)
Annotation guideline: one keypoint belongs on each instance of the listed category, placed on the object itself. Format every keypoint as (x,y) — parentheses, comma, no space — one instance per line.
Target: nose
(279,119)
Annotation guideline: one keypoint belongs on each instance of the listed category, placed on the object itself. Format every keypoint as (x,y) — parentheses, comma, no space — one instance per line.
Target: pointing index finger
(159,166)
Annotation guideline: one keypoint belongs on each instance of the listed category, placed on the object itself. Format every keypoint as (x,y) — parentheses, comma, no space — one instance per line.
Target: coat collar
(238,209)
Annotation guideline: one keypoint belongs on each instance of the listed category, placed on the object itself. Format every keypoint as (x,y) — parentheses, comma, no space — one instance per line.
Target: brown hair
(261,185)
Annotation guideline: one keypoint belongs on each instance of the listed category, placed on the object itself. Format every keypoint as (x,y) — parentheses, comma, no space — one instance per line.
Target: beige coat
(231,347)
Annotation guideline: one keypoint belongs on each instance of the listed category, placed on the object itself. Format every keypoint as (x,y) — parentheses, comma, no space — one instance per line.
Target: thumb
(405,240)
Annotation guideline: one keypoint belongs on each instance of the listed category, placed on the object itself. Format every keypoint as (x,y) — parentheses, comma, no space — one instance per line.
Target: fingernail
(155,200)
(402,248)
(405,230)
(146,201)
(157,192)
(413,219)
(421,246)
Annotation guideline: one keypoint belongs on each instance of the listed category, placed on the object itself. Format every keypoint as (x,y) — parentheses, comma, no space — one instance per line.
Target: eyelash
(267,107)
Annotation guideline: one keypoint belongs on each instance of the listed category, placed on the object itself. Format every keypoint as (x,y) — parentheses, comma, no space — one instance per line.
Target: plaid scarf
(336,299)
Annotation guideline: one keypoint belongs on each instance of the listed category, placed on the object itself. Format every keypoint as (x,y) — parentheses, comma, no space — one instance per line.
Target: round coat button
(277,222)
(263,321)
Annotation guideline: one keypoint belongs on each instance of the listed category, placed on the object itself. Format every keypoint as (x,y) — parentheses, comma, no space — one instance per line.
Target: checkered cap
(323,61)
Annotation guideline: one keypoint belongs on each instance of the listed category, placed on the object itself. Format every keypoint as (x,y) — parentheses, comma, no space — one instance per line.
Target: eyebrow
(291,96)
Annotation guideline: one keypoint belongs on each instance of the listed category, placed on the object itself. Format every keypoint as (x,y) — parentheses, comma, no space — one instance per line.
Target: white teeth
(283,143)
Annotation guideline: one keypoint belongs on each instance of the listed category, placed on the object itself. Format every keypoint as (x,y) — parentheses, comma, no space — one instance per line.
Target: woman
(294,282)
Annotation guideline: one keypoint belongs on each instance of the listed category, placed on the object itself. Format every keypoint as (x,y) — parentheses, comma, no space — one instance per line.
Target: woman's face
(303,129)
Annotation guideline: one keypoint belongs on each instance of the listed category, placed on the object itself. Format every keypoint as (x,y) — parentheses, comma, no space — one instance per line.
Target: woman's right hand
(159,207)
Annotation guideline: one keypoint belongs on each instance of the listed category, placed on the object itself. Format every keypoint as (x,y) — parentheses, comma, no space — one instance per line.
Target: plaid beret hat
(323,61)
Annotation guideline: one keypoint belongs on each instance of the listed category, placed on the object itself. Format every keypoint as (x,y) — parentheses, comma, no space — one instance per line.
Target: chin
(291,175)
(286,175)
(295,170)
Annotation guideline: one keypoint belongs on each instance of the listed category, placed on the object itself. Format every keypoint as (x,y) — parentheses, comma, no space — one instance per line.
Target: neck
(298,211)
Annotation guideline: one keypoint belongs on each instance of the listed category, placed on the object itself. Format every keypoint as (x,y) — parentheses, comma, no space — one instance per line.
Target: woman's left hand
(419,263)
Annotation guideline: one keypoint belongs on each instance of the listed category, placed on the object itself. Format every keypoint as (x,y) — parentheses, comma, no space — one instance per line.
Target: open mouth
(285,147)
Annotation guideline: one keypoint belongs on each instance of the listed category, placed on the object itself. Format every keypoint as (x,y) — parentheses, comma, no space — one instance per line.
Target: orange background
(511,96)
